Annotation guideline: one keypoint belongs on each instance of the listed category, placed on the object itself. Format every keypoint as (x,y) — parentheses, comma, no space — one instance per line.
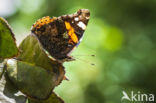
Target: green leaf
(52,99)
(32,52)
(8,47)
(9,93)
(32,80)
(33,72)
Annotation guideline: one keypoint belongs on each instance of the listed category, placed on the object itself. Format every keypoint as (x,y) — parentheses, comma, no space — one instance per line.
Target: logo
(137,96)
(60,35)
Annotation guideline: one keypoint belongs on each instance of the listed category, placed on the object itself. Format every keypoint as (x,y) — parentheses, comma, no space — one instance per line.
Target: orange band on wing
(71,32)
(43,21)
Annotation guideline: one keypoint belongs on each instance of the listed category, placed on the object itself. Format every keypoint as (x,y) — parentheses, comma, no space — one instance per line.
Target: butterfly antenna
(92,64)
(92,55)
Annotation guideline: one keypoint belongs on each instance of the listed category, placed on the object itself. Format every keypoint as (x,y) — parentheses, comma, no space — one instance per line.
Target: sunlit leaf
(7,41)
(32,52)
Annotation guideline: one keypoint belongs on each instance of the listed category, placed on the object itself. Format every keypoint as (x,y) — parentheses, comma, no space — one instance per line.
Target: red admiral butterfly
(60,35)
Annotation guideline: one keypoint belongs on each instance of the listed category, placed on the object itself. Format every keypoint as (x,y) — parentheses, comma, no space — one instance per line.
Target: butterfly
(60,35)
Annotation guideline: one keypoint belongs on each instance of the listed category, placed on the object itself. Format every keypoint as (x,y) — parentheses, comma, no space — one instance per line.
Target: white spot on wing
(76,19)
(81,25)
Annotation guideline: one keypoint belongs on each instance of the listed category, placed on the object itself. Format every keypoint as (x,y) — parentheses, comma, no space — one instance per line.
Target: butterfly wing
(59,36)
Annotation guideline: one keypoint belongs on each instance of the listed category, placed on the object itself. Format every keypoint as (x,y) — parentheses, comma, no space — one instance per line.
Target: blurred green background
(122,35)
